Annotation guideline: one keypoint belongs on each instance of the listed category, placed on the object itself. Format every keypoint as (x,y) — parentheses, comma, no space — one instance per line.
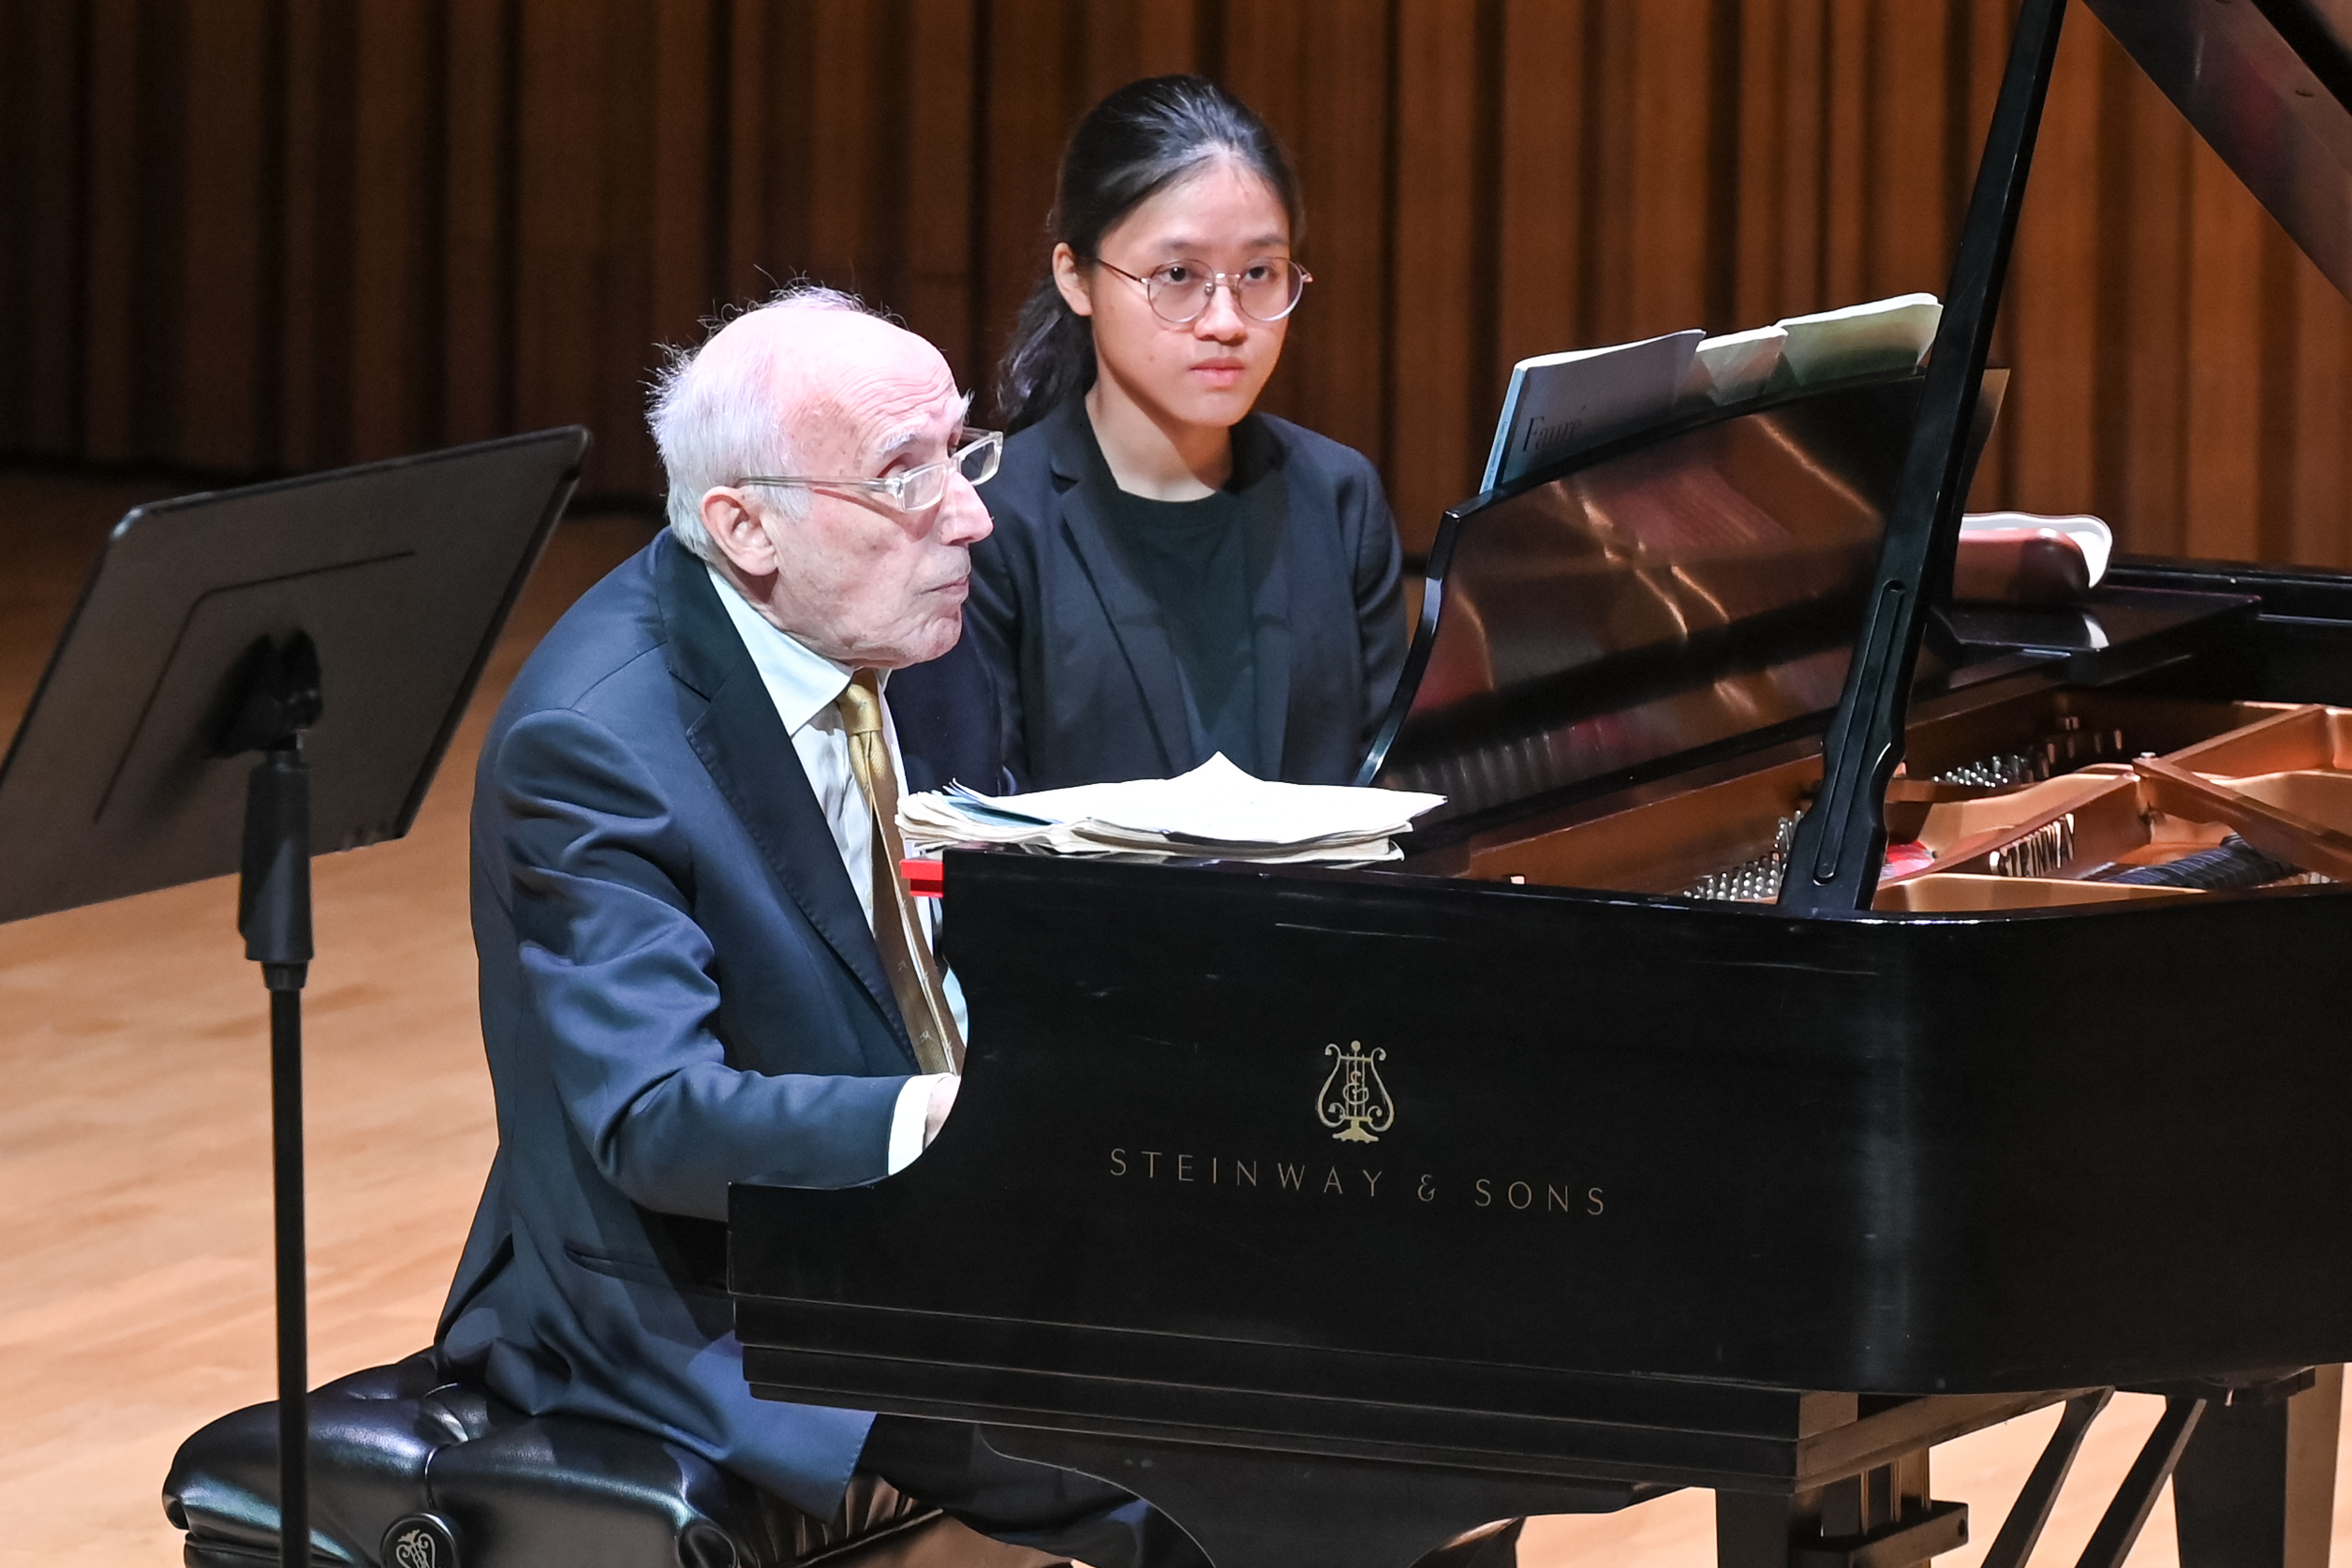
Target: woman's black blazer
(1088,689)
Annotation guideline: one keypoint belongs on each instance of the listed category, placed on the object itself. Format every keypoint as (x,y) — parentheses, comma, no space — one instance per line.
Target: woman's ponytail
(1049,360)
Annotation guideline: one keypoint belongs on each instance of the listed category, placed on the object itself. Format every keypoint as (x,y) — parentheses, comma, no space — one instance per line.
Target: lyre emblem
(1353,1099)
(419,1541)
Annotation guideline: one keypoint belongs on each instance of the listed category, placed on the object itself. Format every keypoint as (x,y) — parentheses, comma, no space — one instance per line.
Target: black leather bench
(410,1468)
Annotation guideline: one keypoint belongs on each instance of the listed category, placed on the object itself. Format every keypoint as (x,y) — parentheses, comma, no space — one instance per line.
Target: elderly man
(699,964)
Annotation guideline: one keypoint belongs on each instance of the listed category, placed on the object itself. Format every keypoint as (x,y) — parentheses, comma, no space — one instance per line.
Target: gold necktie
(906,948)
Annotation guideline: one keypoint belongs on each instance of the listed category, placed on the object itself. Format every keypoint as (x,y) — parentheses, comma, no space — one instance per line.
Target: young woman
(1172,575)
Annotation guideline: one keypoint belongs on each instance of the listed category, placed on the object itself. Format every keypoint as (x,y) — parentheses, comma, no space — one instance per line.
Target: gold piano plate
(2324,795)
(1955,892)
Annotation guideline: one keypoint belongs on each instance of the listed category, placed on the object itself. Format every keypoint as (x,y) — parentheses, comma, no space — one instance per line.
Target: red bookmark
(925,878)
(1904,860)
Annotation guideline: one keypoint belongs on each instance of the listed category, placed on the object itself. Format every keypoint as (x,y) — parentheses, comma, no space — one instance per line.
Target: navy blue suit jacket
(678,991)
(1088,683)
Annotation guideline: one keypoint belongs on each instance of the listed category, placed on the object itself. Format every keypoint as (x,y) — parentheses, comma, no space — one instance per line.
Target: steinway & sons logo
(1358,1106)
(1352,1099)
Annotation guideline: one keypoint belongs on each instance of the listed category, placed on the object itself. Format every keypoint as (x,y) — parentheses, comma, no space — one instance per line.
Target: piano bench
(410,1468)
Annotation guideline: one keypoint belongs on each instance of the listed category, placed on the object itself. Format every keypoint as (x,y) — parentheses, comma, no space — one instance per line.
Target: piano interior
(2063,798)
(1625,668)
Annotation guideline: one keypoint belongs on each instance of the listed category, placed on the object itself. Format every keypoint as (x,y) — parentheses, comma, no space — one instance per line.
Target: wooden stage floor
(134,1147)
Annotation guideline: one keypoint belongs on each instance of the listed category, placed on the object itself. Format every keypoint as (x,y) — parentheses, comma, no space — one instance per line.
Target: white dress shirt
(803,686)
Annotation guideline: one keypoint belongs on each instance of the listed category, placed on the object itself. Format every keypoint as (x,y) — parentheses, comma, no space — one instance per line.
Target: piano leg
(1881,1518)
(1254,1508)
(2256,1487)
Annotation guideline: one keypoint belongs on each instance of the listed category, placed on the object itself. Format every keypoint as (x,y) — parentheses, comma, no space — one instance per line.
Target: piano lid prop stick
(1834,862)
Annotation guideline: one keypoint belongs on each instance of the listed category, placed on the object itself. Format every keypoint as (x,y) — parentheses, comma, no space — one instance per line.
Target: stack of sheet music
(1557,405)
(1215,812)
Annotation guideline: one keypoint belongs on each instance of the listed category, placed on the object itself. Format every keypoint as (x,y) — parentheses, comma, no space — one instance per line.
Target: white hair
(715,426)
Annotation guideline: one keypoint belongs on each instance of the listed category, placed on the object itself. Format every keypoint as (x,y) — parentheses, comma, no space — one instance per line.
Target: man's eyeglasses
(916,489)
(1266,289)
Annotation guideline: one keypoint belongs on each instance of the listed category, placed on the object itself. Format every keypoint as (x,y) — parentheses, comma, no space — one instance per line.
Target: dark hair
(1130,147)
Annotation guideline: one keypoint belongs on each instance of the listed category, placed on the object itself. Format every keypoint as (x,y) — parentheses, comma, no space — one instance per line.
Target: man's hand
(942,1101)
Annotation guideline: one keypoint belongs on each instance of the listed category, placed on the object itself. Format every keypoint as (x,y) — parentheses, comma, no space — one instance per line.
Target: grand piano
(1826,1018)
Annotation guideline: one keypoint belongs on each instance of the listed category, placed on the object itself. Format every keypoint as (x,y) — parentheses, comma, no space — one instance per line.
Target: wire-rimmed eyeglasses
(1266,289)
(916,489)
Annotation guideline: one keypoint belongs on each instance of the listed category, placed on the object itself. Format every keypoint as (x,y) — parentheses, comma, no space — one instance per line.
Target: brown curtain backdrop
(258,235)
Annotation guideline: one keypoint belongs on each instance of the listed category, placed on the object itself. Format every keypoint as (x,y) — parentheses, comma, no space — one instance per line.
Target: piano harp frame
(1853,1175)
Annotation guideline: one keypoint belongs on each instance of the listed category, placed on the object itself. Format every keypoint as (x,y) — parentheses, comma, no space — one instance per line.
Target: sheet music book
(1558,404)
(2090,535)
(1861,339)
(1736,366)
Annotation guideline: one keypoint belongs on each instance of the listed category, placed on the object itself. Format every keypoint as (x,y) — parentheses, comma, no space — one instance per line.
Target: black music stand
(334,624)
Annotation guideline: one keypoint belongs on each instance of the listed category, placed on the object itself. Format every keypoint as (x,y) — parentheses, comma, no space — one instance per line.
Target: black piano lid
(2268,83)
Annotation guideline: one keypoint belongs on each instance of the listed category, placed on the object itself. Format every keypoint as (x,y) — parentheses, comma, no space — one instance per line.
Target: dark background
(248,236)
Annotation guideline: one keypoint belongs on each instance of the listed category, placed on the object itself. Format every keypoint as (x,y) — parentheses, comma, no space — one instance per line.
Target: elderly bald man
(697,965)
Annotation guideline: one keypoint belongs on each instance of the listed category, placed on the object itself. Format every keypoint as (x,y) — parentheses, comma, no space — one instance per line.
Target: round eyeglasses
(916,489)
(1266,289)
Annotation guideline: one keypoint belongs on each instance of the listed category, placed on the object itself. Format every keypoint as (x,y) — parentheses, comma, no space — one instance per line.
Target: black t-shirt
(1192,558)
